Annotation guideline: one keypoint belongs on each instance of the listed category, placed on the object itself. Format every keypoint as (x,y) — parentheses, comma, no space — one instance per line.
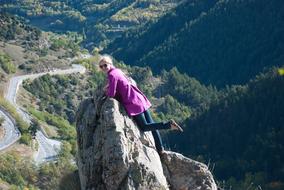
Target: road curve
(47,148)
(12,134)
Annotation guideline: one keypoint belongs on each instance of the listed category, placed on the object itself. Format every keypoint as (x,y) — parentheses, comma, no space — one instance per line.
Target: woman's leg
(146,123)
(156,134)
(148,116)
(149,126)
(158,141)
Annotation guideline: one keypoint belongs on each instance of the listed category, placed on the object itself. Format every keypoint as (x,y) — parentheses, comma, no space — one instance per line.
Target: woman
(134,101)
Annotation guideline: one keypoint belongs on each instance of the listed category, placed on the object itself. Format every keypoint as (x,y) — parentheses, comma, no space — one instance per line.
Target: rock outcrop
(114,154)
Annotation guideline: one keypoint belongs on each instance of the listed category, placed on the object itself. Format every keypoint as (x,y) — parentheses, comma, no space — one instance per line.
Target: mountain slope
(139,42)
(242,134)
(99,21)
(227,44)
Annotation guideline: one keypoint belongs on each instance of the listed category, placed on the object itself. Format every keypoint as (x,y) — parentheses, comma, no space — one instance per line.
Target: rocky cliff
(114,154)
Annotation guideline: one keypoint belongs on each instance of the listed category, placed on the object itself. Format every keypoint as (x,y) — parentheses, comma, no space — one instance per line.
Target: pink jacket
(119,87)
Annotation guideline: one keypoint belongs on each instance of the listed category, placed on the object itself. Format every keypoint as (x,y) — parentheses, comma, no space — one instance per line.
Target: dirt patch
(15,52)
(31,60)
(4,185)
(50,131)
(25,98)
(21,149)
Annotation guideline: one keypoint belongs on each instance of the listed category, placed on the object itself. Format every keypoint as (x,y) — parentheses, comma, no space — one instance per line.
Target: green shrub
(58,43)
(26,138)
(6,63)
(17,170)
(22,173)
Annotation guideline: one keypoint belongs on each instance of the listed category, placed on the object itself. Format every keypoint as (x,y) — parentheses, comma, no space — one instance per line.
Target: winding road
(47,148)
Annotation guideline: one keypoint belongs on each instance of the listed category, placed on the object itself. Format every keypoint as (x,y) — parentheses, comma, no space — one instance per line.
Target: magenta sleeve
(112,84)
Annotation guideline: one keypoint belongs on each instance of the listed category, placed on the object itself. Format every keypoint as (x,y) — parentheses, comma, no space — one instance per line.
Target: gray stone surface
(185,174)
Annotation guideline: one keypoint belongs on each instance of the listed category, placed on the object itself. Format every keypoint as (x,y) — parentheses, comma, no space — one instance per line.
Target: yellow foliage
(281,71)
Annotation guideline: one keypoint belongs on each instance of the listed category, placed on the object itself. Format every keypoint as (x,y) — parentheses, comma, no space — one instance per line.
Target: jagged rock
(185,174)
(114,154)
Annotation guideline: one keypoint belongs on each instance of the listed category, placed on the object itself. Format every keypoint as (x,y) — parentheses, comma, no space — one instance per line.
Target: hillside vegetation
(98,21)
(31,50)
(241,135)
(18,172)
(218,42)
(26,49)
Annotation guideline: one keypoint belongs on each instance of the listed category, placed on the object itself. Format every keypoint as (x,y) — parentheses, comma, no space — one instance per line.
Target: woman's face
(104,66)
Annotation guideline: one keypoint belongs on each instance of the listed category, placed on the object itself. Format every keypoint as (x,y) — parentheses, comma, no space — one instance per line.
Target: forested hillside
(98,21)
(135,43)
(217,42)
(241,135)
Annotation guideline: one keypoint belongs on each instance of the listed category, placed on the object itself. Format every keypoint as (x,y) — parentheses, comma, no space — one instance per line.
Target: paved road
(48,148)
(12,133)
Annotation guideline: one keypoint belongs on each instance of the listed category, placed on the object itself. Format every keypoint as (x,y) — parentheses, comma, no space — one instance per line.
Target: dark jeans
(145,123)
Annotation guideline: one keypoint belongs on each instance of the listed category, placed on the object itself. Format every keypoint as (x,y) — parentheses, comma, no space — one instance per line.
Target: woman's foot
(175,126)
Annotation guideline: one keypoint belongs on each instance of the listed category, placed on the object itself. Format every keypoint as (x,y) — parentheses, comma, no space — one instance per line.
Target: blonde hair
(106,58)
